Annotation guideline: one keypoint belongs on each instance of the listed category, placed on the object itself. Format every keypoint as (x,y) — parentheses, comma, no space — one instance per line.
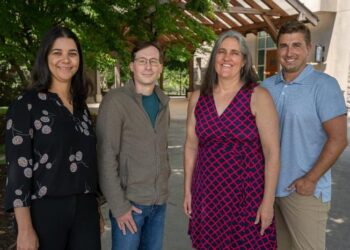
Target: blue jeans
(150,229)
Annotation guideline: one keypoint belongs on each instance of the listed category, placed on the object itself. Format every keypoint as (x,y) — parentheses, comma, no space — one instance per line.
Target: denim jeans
(150,229)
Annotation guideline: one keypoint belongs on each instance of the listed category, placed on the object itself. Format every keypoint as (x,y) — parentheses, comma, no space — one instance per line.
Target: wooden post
(161,80)
(98,96)
(117,83)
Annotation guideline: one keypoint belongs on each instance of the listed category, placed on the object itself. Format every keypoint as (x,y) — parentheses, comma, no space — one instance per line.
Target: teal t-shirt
(151,105)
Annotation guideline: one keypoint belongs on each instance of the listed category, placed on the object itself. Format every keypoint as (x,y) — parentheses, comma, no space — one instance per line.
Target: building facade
(330,45)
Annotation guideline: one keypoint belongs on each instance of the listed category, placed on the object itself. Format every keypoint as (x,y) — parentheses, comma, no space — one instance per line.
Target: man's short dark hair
(145,44)
(295,26)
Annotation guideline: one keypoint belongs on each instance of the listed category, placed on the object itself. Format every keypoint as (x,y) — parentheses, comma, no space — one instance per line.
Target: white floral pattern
(42,96)
(17,140)
(42,191)
(38,124)
(72,158)
(46,129)
(18,192)
(85,126)
(36,166)
(44,158)
(31,133)
(9,124)
(17,203)
(22,161)
(45,119)
(82,125)
(76,160)
(36,153)
(73,167)
(78,155)
(28,172)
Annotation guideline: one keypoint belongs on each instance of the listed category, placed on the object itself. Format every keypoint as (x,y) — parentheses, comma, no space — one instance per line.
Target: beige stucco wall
(332,31)
(338,56)
(321,5)
(321,34)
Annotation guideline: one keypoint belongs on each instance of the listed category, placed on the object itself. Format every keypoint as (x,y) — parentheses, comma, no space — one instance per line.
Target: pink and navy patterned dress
(228,180)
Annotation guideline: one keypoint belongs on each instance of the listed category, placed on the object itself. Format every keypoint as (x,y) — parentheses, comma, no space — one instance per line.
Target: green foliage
(106,28)
(199,5)
(223,4)
(176,81)
(205,6)
(23,23)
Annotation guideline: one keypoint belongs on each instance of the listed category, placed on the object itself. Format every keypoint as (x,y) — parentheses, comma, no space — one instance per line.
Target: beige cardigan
(133,162)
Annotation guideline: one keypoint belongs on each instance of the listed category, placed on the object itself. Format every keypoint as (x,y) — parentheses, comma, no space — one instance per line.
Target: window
(264,42)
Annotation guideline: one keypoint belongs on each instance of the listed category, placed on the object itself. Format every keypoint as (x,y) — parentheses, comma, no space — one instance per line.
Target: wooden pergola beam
(227,20)
(241,10)
(251,11)
(251,16)
(272,5)
(248,16)
(272,30)
(262,26)
(311,17)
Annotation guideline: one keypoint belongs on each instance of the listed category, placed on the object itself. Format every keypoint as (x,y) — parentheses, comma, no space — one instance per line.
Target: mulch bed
(7,222)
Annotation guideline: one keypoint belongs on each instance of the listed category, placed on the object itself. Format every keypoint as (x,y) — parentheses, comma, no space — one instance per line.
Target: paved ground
(338,230)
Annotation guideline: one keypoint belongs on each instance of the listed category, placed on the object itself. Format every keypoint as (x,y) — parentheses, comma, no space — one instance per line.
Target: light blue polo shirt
(303,105)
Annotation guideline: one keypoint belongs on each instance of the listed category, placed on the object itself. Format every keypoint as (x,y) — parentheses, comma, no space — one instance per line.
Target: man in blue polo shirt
(313,135)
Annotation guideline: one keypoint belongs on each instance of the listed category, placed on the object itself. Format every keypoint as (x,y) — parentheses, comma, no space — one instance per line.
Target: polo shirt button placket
(285,86)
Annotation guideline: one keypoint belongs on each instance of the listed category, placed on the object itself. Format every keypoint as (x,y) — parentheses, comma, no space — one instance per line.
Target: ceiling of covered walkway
(251,16)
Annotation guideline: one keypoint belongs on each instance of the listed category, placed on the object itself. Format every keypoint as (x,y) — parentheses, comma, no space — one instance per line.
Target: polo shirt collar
(301,78)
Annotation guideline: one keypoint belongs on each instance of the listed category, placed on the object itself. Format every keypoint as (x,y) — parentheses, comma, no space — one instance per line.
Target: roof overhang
(253,16)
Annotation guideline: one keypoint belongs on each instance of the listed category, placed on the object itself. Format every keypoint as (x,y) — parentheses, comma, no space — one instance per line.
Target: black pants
(67,223)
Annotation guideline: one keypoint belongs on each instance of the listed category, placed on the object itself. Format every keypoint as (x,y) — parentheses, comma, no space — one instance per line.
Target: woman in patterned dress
(231,154)
(51,152)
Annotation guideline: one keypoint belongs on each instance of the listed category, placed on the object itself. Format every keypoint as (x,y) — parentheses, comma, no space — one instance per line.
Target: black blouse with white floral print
(50,152)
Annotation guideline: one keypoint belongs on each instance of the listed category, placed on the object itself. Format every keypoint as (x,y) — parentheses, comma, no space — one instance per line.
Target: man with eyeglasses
(132,129)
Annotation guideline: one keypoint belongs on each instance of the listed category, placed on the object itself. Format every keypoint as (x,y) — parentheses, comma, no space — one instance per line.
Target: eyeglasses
(143,61)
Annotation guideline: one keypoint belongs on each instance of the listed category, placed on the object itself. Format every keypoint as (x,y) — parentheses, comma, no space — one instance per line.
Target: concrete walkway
(175,238)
